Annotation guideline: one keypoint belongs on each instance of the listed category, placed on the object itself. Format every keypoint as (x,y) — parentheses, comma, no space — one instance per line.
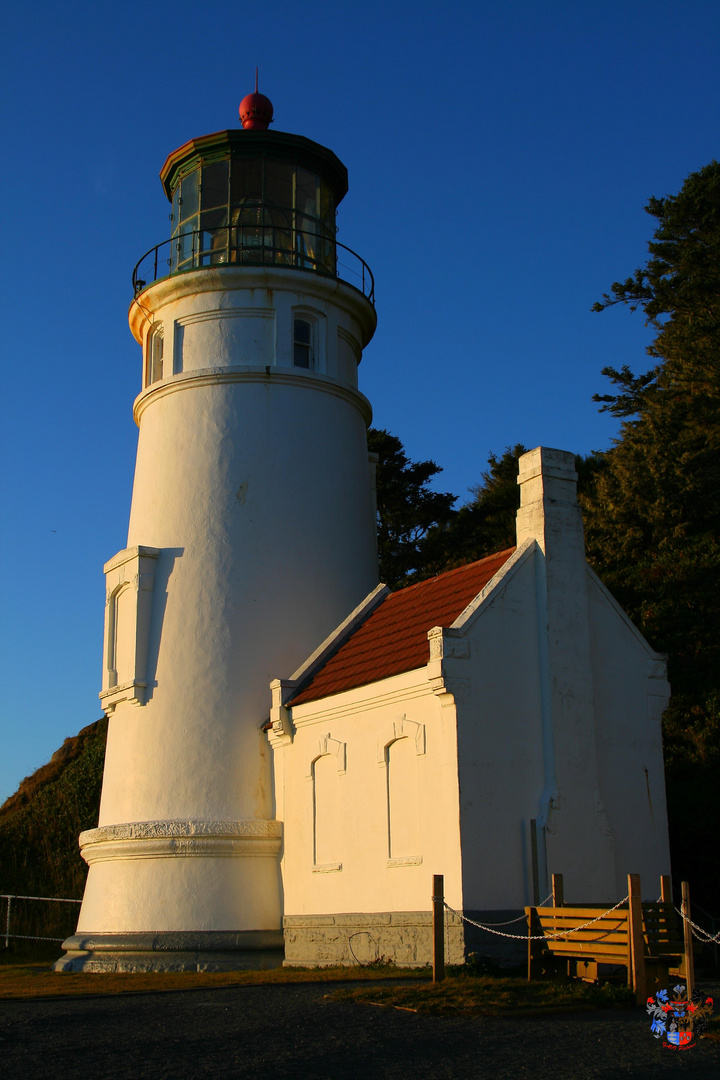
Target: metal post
(7,924)
(687,934)
(558,890)
(438,903)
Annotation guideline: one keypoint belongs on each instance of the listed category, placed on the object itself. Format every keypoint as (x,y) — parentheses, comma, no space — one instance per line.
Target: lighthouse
(251,537)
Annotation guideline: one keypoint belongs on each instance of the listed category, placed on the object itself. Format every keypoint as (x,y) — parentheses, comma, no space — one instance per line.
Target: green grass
(35,979)
(29,952)
(488,995)
(25,973)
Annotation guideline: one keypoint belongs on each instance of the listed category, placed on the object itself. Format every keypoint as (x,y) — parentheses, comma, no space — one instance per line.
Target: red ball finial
(256,110)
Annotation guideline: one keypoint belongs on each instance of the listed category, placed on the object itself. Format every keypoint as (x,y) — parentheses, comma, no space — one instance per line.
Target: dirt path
(274,1032)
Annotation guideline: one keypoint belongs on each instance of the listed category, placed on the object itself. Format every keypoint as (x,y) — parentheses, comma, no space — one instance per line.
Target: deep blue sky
(500,156)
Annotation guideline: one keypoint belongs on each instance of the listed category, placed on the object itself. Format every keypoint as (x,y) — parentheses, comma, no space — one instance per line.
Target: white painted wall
(396,729)
(500,739)
(541,701)
(253,483)
(631,693)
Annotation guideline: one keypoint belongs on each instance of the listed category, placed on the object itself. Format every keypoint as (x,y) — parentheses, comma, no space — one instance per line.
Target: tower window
(303,344)
(156,349)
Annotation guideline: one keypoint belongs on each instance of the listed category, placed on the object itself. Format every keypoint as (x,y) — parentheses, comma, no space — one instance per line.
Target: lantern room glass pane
(327,206)
(214,185)
(306,192)
(214,236)
(189,196)
(183,245)
(214,219)
(245,181)
(278,184)
(175,214)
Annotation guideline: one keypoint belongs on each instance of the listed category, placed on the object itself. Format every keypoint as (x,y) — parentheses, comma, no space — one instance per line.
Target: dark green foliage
(691,736)
(406,508)
(39,829)
(653,512)
(679,287)
(484,525)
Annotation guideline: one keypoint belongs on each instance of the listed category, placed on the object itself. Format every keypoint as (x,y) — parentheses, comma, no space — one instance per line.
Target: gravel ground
(293,1031)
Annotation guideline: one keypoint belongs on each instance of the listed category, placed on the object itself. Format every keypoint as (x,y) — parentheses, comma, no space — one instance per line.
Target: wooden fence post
(687,935)
(636,943)
(438,903)
(534,861)
(666,889)
(558,897)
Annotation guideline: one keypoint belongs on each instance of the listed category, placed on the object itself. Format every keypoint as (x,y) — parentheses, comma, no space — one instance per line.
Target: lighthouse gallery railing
(250,245)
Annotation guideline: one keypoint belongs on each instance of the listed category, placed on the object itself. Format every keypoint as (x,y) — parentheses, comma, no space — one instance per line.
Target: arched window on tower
(155,353)
(304,344)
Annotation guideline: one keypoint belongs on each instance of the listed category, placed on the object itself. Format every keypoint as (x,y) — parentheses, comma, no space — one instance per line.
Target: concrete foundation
(252,950)
(401,937)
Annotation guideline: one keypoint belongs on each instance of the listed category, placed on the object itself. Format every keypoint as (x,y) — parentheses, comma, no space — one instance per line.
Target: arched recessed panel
(326,810)
(402,796)
(123,645)
(129,580)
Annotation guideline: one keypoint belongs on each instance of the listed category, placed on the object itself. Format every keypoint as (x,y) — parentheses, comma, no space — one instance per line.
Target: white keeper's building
(294,750)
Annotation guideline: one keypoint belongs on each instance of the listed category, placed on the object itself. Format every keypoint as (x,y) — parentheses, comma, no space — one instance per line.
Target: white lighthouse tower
(252,535)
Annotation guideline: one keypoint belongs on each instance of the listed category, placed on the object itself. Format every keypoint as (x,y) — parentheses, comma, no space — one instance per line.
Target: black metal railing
(253,245)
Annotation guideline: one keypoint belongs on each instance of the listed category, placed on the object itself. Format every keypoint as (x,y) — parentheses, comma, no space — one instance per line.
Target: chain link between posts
(518,919)
(536,937)
(698,932)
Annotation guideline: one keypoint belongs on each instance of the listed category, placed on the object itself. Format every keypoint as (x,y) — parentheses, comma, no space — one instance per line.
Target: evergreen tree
(406,509)
(653,514)
(484,525)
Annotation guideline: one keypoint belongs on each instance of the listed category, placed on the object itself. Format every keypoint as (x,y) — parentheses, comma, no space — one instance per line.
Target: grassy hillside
(39,828)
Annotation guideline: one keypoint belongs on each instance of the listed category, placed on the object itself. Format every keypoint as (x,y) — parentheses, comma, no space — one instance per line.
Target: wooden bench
(644,938)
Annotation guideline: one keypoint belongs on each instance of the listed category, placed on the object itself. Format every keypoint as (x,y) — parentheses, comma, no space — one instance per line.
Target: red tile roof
(393,638)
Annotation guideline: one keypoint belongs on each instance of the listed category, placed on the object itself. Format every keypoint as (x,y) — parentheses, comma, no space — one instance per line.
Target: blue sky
(500,156)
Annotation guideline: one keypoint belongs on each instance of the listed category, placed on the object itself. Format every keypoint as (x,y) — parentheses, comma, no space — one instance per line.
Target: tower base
(224,950)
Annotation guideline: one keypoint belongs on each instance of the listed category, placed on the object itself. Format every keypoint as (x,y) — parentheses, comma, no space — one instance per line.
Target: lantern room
(254,197)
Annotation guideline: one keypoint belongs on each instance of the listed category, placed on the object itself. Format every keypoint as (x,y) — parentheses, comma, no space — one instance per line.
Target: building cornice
(217,376)
(200,839)
(225,279)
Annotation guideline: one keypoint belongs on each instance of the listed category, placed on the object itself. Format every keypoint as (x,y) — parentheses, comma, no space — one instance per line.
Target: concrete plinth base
(251,950)
(401,937)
